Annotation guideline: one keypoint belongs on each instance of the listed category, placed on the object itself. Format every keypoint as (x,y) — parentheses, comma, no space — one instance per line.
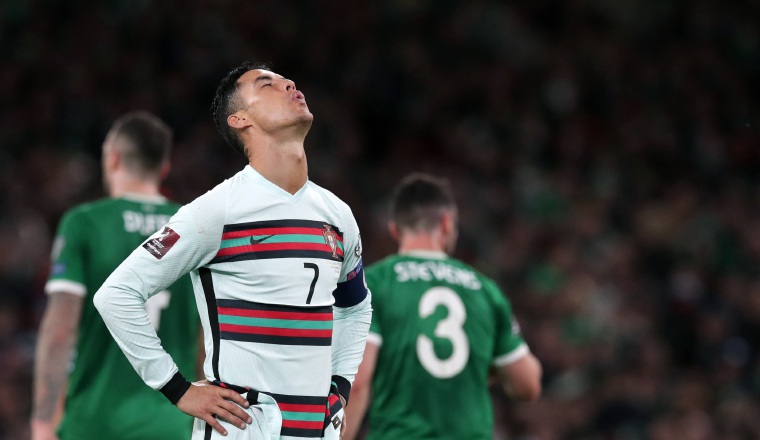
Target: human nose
(289,85)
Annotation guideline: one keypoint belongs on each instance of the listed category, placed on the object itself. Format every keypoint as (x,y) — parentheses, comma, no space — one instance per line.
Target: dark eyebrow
(262,78)
(266,77)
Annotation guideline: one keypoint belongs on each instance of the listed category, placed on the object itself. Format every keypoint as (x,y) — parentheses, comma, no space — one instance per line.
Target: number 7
(314,281)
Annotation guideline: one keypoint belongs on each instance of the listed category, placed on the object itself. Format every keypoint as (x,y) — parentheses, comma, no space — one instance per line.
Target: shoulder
(331,200)
(95,205)
(381,268)
(87,210)
(383,264)
(466,266)
(210,207)
(477,277)
(171,205)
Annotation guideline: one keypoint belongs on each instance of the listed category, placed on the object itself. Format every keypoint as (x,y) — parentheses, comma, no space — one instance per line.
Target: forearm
(521,380)
(123,311)
(122,297)
(55,345)
(350,330)
(360,396)
(361,392)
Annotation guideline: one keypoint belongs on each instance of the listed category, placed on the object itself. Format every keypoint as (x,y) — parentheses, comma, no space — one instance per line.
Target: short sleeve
(68,256)
(373,275)
(509,344)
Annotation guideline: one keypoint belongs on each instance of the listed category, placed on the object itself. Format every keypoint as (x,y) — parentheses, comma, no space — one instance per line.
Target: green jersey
(440,326)
(106,399)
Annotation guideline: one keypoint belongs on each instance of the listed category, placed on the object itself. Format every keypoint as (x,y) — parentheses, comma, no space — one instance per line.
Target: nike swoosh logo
(255,241)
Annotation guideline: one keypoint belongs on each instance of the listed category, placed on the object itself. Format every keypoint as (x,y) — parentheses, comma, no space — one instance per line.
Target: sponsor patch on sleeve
(515,326)
(58,245)
(351,275)
(57,269)
(162,243)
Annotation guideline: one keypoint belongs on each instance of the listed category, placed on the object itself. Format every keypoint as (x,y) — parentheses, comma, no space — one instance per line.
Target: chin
(306,119)
(307,116)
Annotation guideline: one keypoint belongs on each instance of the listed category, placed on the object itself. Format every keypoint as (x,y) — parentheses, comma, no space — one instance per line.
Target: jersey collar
(262,181)
(421,253)
(145,198)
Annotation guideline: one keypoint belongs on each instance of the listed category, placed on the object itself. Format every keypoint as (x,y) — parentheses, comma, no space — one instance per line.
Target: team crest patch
(358,248)
(159,245)
(331,238)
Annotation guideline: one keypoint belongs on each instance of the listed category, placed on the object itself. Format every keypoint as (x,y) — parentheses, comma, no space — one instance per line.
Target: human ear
(447,222)
(111,159)
(237,120)
(393,230)
(234,121)
(165,168)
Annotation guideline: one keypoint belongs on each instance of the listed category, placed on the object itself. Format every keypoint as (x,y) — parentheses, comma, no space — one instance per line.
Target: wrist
(343,386)
(175,388)
(42,428)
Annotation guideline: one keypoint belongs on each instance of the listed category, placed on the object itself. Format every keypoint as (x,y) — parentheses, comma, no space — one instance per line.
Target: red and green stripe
(274,324)
(279,239)
(302,416)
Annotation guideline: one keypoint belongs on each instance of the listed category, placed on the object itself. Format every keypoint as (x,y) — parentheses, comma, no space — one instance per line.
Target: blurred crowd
(604,155)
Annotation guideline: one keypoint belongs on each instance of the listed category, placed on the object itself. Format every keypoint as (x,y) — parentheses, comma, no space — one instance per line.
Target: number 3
(449,328)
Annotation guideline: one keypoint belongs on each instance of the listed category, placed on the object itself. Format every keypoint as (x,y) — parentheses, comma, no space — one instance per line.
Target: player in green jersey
(105,398)
(438,328)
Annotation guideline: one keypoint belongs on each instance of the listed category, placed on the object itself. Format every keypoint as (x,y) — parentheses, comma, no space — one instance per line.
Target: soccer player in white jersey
(275,262)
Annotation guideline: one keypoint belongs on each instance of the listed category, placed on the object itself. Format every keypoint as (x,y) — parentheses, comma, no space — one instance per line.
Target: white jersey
(280,290)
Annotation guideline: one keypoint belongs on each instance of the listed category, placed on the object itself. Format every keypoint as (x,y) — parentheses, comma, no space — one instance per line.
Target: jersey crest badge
(161,243)
(358,248)
(331,238)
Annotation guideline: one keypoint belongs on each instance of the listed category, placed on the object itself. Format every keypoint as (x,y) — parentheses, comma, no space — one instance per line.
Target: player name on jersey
(435,270)
(144,223)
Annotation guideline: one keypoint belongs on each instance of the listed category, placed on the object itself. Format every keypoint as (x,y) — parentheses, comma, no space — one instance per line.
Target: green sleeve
(508,337)
(375,287)
(69,254)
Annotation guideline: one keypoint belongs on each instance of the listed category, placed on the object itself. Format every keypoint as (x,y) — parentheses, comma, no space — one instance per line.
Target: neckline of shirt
(273,188)
(421,253)
(145,198)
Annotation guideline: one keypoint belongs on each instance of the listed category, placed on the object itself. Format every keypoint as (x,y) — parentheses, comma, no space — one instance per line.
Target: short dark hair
(148,139)
(419,200)
(224,103)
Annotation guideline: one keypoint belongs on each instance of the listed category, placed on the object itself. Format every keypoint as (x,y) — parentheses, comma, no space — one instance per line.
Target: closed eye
(266,80)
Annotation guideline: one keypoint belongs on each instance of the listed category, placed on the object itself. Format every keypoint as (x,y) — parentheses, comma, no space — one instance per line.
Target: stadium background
(604,154)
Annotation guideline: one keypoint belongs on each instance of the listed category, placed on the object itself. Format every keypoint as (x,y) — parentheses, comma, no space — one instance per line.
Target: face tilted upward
(270,102)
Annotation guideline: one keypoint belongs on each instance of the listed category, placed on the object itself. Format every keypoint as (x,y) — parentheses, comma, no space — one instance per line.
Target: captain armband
(352,291)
